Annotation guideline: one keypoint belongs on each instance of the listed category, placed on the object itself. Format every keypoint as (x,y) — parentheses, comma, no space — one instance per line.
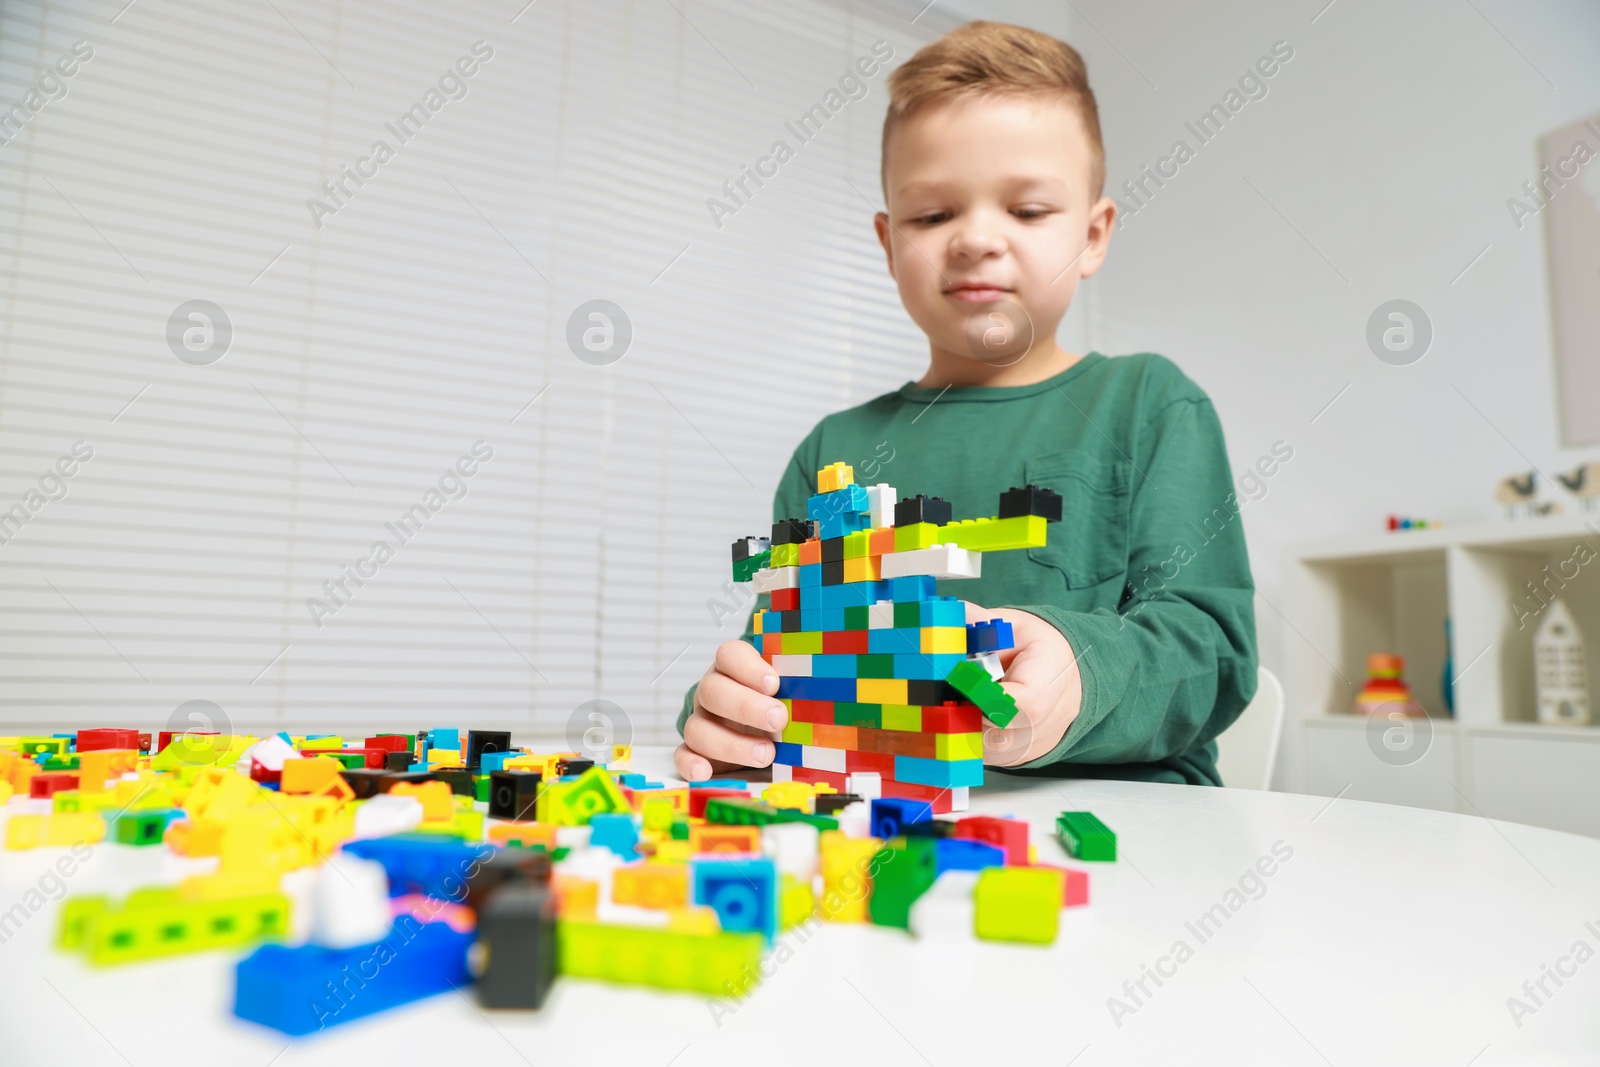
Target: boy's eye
(1031,212)
(929,220)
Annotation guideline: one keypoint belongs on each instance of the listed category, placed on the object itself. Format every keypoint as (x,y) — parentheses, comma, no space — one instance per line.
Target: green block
(875,665)
(140,827)
(680,829)
(1085,837)
(574,803)
(1018,904)
(903,870)
(157,922)
(856,544)
(32,746)
(59,763)
(974,683)
(785,556)
(480,788)
(732,811)
(849,713)
(745,569)
(805,643)
(858,618)
(908,615)
(719,965)
(352,761)
(66,800)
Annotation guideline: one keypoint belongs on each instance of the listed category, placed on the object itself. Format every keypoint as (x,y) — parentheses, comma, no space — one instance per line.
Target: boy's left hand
(1041,674)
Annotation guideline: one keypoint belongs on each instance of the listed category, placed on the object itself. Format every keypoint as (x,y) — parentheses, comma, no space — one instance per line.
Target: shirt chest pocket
(1090,543)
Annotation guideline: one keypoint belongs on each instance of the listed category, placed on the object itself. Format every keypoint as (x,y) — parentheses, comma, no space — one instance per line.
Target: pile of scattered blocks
(886,685)
(364,874)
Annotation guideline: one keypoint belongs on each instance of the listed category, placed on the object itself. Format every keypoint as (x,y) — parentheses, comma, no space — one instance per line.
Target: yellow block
(917,535)
(798,733)
(621,754)
(993,535)
(798,795)
(321,744)
(95,767)
(435,797)
(881,691)
(444,757)
(796,902)
(863,569)
(74,828)
(306,776)
(835,476)
(24,831)
(901,716)
(576,898)
(695,919)
(670,851)
(218,794)
(958,746)
(846,878)
(652,885)
(943,639)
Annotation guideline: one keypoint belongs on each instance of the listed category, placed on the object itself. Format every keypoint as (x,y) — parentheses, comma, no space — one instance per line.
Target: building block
(298,991)
(141,828)
(890,815)
(157,922)
(434,866)
(615,831)
(1010,835)
(946,912)
(652,885)
(715,965)
(1018,904)
(902,871)
(846,864)
(744,893)
(974,683)
(517,931)
(1086,837)
(574,803)
(963,854)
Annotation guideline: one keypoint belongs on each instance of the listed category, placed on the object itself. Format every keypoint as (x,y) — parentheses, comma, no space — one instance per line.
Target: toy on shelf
(1561,672)
(1583,483)
(1386,692)
(1447,673)
(1520,496)
(880,675)
(1396,522)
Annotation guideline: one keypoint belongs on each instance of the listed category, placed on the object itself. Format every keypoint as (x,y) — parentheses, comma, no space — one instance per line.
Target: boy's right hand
(736,716)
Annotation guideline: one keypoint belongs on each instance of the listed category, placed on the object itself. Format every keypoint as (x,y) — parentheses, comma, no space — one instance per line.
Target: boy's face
(992,191)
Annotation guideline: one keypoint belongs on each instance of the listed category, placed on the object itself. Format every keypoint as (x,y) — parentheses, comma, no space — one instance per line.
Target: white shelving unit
(1391,592)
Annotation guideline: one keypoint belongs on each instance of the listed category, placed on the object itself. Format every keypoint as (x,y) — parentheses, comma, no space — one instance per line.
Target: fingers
(727,697)
(693,767)
(715,739)
(744,664)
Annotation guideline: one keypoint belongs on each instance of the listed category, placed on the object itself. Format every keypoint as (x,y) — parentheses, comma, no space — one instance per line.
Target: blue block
(889,814)
(959,854)
(744,893)
(849,595)
(832,618)
(720,783)
(811,620)
(791,688)
(840,525)
(434,865)
(833,666)
(886,641)
(632,781)
(490,762)
(990,636)
(850,500)
(944,611)
(648,785)
(301,990)
(615,831)
(786,754)
(446,739)
(911,587)
(941,774)
(926,666)
(810,576)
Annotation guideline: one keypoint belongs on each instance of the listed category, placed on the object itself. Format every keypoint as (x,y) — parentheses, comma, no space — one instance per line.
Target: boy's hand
(735,717)
(1042,676)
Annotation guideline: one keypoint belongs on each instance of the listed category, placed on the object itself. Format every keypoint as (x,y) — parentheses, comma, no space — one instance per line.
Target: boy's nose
(976,242)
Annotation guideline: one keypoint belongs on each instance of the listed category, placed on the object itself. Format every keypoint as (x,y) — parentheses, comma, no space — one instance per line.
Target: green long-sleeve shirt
(1146,575)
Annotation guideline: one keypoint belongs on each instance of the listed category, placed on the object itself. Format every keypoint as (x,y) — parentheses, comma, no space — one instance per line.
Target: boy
(1134,626)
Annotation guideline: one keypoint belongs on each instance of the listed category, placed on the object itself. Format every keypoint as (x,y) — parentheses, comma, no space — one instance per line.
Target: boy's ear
(1102,220)
(880,222)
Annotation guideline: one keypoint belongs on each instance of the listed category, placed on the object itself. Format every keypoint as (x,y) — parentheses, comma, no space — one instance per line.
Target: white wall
(1390,142)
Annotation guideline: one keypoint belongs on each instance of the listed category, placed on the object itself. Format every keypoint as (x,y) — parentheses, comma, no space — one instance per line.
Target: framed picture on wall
(1572,243)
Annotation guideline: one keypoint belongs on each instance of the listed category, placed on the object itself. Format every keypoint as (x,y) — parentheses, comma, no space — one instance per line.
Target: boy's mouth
(976,292)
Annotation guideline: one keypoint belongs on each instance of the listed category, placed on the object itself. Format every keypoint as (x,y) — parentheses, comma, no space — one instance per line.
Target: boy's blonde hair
(983,58)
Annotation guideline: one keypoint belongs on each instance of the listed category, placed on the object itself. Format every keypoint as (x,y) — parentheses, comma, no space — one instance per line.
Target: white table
(1390,935)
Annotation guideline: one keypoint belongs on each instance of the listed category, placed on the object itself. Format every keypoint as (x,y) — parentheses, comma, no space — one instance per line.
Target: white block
(576,837)
(880,616)
(630,915)
(782,772)
(300,885)
(270,753)
(788,666)
(767,579)
(958,798)
(881,499)
(940,561)
(855,820)
(351,902)
(822,759)
(387,814)
(868,785)
(792,846)
(990,661)
(946,912)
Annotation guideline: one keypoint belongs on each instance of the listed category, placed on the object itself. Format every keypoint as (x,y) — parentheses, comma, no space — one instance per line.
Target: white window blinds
(323,454)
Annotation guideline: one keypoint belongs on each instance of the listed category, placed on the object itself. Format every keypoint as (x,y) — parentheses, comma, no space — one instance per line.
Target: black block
(790,531)
(788,622)
(832,549)
(481,741)
(517,942)
(394,778)
(1031,500)
(921,508)
(932,828)
(366,782)
(923,692)
(833,803)
(397,761)
(458,778)
(746,547)
(506,866)
(833,573)
(512,794)
(573,765)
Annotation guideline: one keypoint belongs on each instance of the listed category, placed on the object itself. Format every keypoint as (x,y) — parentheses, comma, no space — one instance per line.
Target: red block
(258,773)
(698,798)
(164,738)
(388,744)
(819,712)
(374,757)
(95,740)
(812,777)
(144,744)
(879,762)
(1077,885)
(952,719)
(770,643)
(786,599)
(845,642)
(44,786)
(1008,835)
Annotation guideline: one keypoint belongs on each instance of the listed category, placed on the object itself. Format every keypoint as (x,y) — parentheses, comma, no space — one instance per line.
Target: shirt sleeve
(788,502)
(1175,663)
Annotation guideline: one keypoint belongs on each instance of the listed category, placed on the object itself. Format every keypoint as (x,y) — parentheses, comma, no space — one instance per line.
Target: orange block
(312,775)
(863,569)
(881,542)
(576,898)
(526,834)
(652,885)
(98,765)
(823,736)
(810,552)
(190,838)
(713,837)
(435,796)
